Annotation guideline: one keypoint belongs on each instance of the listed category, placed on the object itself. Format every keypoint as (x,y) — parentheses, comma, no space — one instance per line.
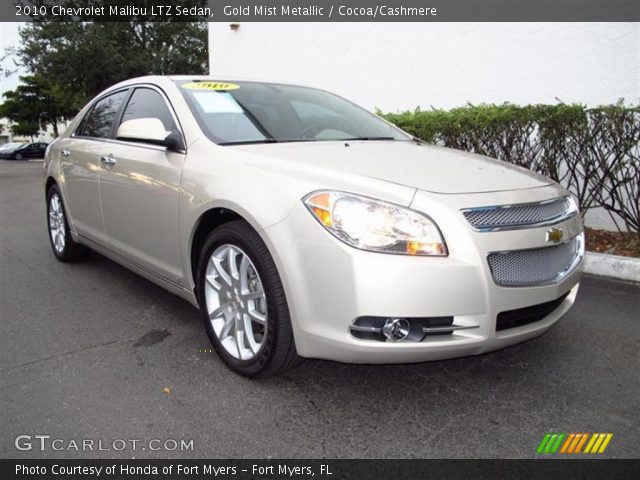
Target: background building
(397,66)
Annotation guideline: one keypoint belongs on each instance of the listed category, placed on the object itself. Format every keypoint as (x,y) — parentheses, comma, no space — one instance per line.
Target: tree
(37,103)
(80,59)
(25,129)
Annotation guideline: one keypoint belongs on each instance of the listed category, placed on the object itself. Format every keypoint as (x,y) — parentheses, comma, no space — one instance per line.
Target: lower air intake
(532,267)
(524,316)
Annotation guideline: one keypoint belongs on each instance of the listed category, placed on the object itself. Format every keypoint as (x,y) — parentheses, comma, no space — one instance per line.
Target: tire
(266,348)
(64,247)
(18,156)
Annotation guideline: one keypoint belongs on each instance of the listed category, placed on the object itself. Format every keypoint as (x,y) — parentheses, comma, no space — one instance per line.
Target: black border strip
(566,469)
(328,10)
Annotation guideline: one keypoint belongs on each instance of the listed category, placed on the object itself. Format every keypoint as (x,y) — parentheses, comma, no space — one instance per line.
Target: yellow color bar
(596,445)
(606,441)
(594,437)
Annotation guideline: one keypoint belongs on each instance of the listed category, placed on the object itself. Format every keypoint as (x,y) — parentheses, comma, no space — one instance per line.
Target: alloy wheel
(57,223)
(236,302)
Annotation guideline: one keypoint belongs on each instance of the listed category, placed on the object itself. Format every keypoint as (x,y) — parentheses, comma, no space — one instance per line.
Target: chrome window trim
(148,146)
(131,88)
(519,226)
(580,250)
(89,110)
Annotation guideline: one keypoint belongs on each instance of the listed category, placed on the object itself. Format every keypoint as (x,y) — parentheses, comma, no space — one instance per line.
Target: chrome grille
(516,216)
(531,267)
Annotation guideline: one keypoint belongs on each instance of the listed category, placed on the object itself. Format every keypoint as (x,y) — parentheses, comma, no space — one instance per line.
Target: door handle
(65,153)
(108,159)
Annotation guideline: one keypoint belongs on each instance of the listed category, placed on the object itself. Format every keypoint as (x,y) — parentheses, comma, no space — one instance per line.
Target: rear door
(81,165)
(140,191)
(29,151)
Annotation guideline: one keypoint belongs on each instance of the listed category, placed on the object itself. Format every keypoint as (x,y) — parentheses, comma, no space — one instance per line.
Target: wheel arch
(212,218)
(206,223)
(215,214)
(49,183)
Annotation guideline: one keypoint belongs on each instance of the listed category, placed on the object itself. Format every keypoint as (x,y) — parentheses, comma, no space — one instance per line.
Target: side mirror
(173,141)
(150,130)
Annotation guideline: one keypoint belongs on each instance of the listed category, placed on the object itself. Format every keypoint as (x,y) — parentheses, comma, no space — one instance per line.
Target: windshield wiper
(250,142)
(269,140)
(367,138)
(295,140)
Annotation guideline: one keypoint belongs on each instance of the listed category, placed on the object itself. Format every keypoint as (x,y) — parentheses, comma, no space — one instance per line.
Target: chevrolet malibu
(302,225)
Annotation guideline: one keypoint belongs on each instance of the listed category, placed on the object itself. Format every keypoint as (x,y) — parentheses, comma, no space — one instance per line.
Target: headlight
(572,208)
(375,225)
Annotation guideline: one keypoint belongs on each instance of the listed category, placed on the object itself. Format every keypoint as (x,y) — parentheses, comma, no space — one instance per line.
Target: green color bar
(544,441)
(556,445)
(547,449)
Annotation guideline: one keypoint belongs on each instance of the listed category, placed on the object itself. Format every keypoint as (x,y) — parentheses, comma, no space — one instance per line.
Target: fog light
(396,329)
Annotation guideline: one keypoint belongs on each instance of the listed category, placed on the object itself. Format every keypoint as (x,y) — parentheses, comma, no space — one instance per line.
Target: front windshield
(248,112)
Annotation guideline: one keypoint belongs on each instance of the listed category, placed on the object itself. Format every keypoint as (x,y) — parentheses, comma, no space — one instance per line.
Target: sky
(8,38)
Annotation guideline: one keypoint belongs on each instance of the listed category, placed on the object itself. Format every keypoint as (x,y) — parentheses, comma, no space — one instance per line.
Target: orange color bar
(567,442)
(584,439)
(572,449)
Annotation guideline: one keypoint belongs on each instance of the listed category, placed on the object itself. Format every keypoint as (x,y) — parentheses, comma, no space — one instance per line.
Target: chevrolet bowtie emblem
(554,235)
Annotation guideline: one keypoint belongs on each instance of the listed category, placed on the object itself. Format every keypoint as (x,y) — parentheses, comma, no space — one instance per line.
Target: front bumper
(329,284)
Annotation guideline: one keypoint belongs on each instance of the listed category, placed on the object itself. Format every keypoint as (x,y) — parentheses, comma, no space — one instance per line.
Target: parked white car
(9,146)
(304,226)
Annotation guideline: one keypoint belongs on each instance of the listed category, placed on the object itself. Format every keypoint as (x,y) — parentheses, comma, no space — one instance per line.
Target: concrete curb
(614,266)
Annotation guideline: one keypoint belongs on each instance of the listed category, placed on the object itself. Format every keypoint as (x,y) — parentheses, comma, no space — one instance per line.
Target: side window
(147,103)
(82,124)
(100,120)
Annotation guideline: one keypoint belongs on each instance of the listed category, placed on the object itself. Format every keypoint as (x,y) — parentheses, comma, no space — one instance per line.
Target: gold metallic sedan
(302,225)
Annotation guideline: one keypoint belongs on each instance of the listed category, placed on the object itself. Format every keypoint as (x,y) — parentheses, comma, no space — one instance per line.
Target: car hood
(426,167)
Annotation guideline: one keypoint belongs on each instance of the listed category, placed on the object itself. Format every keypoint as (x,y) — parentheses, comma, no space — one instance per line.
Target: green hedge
(594,152)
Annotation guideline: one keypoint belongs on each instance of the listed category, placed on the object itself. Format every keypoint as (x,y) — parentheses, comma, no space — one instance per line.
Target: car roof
(226,78)
(163,79)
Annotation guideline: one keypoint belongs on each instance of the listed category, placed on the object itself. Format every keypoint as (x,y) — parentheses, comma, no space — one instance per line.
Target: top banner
(321,10)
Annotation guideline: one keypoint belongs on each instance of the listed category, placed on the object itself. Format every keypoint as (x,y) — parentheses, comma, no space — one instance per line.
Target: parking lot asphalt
(93,351)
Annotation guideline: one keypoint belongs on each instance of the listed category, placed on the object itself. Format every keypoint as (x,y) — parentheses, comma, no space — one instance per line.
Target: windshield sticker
(216,86)
(217,102)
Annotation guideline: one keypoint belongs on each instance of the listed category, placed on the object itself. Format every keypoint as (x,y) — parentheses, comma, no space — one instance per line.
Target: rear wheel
(64,247)
(243,303)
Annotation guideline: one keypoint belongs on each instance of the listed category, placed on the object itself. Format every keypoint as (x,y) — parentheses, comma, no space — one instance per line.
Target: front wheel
(64,247)
(243,303)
